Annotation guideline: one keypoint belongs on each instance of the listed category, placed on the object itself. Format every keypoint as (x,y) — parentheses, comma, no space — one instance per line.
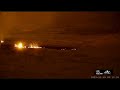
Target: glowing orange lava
(19,45)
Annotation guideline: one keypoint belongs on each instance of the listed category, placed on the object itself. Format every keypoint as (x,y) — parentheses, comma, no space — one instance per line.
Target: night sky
(44,25)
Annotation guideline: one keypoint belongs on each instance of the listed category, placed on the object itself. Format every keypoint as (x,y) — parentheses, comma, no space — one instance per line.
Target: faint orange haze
(17,22)
(52,25)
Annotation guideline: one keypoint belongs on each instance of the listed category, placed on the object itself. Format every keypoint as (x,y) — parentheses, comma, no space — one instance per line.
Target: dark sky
(53,24)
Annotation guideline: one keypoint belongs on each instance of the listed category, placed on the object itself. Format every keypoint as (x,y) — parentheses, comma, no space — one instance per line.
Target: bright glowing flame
(19,45)
(2,41)
(34,46)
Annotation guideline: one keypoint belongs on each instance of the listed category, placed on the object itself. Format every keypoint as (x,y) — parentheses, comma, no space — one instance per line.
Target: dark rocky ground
(94,52)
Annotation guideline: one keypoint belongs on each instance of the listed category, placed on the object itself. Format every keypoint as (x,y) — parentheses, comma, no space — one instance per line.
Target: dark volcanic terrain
(94,52)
